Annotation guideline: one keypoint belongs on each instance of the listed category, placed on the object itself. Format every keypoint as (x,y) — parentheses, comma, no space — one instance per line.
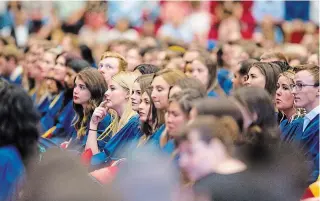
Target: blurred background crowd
(98,23)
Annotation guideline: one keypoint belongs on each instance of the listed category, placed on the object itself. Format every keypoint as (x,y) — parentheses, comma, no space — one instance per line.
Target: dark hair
(65,179)
(18,120)
(69,56)
(78,64)
(147,69)
(211,65)
(156,121)
(219,107)
(191,83)
(258,101)
(209,127)
(283,65)
(148,50)
(271,73)
(86,54)
(186,99)
(245,66)
(219,57)
(97,86)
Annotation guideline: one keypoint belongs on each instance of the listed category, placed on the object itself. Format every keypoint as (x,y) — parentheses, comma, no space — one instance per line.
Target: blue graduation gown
(112,150)
(155,137)
(169,147)
(48,120)
(43,106)
(212,94)
(290,129)
(4,78)
(309,140)
(11,172)
(79,144)
(17,80)
(225,80)
(64,125)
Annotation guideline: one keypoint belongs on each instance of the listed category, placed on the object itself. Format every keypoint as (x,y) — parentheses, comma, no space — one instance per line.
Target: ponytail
(254,135)
(258,143)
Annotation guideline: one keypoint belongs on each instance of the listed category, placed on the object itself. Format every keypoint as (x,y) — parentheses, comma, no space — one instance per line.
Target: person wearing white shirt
(310,116)
(306,93)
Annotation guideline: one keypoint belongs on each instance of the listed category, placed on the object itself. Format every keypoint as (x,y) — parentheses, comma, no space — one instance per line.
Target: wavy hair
(264,129)
(97,86)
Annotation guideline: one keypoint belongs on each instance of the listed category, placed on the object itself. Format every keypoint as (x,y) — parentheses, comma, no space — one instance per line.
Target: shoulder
(212,93)
(297,121)
(106,121)
(10,161)
(134,121)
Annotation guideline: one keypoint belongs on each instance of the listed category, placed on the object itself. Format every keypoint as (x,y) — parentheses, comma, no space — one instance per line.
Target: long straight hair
(212,67)
(125,80)
(149,127)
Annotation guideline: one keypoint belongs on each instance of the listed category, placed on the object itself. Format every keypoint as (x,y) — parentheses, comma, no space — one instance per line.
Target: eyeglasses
(299,86)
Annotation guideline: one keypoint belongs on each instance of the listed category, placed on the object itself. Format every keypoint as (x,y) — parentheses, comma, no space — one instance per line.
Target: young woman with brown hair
(88,93)
(264,75)
(205,70)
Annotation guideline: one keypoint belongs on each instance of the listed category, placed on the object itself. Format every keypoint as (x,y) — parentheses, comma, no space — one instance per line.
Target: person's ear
(128,95)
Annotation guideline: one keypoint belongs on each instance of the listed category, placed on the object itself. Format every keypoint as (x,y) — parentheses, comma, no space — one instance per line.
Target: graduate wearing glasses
(306,95)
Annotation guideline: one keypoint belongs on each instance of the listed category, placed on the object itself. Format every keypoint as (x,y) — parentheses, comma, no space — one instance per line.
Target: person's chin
(76,102)
(110,105)
(157,105)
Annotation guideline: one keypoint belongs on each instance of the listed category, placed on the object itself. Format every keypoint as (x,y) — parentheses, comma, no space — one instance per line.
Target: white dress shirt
(310,116)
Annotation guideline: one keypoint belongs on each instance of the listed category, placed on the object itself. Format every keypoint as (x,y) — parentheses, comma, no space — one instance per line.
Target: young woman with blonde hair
(124,127)
(284,102)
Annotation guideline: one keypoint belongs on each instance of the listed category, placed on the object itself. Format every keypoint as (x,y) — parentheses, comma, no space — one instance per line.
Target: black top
(283,177)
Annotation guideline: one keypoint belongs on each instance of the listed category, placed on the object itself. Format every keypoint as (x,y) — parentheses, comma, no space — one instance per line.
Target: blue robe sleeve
(155,138)
(64,125)
(17,80)
(79,144)
(48,120)
(225,80)
(101,128)
(212,94)
(290,129)
(112,149)
(309,141)
(43,106)
(11,172)
(169,147)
